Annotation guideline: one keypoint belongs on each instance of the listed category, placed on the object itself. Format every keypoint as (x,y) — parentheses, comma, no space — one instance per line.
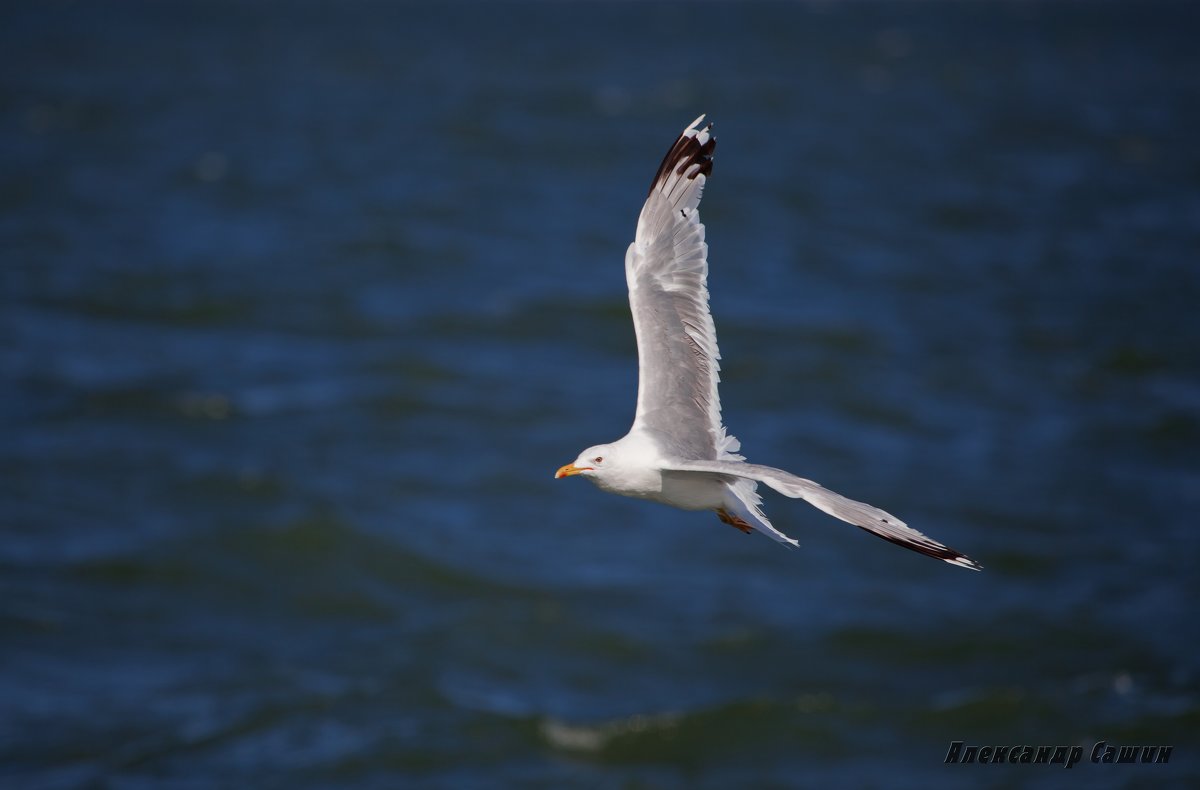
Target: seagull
(678,452)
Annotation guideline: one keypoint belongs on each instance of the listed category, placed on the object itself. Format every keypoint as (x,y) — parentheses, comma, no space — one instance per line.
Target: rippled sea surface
(301,305)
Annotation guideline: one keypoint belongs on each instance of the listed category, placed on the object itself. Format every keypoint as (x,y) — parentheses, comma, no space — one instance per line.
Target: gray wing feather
(666,269)
(878,522)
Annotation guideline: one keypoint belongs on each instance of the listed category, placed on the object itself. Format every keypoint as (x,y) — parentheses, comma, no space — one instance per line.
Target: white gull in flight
(677,451)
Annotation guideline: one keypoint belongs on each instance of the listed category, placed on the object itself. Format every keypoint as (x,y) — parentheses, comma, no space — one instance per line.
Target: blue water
(301,305)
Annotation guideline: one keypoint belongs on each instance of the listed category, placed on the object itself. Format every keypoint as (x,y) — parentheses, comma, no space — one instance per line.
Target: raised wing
(878,522)
(666,269)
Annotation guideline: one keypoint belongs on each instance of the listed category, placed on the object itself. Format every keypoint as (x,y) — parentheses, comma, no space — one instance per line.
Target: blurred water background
(301,305)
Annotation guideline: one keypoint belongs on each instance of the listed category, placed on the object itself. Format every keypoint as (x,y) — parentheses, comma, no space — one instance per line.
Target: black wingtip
(945,554)
(688,151)
(933,549)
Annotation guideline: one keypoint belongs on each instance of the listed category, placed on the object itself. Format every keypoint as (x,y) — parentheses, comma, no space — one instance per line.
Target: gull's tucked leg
(733,520)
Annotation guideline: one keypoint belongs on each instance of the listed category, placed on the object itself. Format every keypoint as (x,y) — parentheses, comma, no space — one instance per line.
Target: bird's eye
(598,459)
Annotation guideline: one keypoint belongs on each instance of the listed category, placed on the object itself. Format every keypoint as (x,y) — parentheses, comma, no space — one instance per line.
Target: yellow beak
(571,469)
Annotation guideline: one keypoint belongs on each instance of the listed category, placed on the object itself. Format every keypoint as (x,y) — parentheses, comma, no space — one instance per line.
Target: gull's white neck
(633,467)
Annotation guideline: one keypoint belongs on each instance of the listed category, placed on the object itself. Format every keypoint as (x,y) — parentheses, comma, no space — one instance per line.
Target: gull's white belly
(687,491)
(691,491)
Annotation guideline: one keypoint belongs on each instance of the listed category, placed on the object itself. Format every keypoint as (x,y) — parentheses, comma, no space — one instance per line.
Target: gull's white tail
(743,502)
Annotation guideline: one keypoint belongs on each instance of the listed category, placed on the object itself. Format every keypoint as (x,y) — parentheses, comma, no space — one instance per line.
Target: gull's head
(592,462)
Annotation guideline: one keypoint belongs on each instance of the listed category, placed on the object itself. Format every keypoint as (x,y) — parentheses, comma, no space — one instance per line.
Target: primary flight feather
(677,452)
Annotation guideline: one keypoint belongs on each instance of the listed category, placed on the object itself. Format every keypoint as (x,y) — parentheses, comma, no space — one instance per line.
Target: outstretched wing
(666,269)
(872,519)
